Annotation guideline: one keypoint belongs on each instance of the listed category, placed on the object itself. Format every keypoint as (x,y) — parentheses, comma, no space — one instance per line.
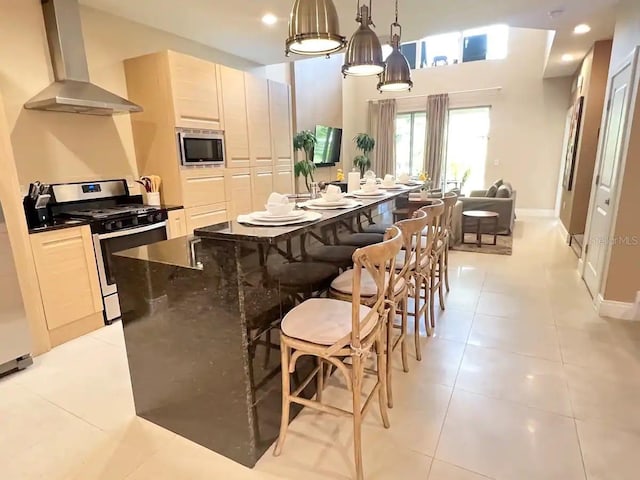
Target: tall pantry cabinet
(177,90)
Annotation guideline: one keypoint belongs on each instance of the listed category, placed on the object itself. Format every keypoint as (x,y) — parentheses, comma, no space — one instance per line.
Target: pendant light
(397,73)
(364,52)
(314,28)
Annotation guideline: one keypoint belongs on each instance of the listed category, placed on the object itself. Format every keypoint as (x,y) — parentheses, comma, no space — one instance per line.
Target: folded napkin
(333,189)
(276,198)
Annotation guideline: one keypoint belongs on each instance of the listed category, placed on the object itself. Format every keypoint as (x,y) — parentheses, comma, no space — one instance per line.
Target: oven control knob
(134,221)
(118,224)
(158,217)
(150,217)
(108,226)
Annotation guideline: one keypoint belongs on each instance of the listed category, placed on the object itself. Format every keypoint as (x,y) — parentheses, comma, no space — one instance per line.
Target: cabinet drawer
(67,275)
(202,186)
(205,215)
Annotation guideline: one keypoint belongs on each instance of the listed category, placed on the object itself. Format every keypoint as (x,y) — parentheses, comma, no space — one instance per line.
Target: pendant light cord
(396,11)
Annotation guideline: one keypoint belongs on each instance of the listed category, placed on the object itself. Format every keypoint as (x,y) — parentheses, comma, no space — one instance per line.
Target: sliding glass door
(411,129)
(467,138)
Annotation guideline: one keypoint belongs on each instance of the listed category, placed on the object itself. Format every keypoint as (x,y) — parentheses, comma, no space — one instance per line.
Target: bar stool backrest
(435,214)
(450,199)
(412,240)
(376,259)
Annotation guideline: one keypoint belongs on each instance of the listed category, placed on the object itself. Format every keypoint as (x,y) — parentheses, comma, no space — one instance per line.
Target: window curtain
(436,138)
(382,118)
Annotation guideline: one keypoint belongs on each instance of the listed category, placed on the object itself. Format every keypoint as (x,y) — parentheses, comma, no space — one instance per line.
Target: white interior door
(612,147)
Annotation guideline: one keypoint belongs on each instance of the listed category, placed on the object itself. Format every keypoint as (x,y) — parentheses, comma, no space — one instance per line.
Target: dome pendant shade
(397,73)
(314,28)
(364,52)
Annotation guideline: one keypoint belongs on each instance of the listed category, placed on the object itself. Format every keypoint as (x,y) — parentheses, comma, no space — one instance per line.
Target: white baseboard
(535,212)
(564,233)
(618,310)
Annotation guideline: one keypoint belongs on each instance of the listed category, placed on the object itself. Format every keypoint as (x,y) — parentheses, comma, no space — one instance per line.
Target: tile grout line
(453,388)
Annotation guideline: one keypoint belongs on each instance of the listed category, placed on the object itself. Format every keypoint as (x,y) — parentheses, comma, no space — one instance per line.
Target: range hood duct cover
(72,90)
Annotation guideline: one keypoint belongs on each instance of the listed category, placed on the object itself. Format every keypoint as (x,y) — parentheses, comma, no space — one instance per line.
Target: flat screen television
(328,144)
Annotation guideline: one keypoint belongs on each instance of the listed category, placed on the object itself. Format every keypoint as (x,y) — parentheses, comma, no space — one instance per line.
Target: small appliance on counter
(36,205)
(118,221)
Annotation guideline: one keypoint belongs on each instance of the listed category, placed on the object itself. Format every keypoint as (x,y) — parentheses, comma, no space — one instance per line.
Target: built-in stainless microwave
(200,147)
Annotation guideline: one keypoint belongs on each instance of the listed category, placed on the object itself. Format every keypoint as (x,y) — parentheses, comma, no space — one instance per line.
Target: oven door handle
(132,231)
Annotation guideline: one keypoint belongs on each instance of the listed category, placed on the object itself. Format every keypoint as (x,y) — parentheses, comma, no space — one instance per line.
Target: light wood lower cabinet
(202,186)
(67,275)
(176,224)
(262,182)
(239,191)
(204,215)
(283,180)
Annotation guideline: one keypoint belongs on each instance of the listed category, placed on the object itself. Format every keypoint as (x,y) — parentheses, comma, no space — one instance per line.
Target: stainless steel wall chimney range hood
(72,91)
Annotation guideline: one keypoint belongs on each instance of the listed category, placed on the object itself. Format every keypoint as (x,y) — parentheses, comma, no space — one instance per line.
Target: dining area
(232,332)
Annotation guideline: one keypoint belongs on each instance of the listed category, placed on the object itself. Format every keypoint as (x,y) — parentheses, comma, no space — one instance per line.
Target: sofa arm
(478,193)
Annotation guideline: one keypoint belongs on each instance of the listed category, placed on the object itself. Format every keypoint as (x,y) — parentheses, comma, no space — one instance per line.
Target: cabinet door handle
(607,201)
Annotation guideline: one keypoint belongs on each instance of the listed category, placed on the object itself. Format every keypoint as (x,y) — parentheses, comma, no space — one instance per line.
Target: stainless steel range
(118,221)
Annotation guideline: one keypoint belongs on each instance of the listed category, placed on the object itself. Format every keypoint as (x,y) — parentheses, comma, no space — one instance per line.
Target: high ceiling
(235,25)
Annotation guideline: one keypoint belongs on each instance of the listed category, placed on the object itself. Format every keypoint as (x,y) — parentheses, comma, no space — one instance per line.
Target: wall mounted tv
(328,144)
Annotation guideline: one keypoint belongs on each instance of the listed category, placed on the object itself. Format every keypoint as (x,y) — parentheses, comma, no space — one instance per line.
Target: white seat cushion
(323,321)
(344,284)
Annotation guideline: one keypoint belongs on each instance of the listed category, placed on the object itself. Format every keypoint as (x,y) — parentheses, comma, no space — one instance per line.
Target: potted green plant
(305,141)
(365,143)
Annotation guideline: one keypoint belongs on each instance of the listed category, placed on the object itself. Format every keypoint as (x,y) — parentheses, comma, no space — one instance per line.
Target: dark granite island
(201,316)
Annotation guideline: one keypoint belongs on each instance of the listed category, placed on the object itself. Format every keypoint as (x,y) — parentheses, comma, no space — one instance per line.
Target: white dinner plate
(267,217)
(307,217)
(321,202)
(349,203)
(377,193)
(394,187)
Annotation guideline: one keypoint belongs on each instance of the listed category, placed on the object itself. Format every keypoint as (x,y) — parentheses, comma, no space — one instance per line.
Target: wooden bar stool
(425,285)
(332,330)
(440,265)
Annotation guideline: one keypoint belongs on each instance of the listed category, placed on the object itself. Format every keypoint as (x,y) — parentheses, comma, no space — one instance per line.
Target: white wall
(527,115)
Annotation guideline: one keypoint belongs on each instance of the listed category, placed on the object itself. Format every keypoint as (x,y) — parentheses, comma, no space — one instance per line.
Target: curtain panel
(382,127)
(436,138)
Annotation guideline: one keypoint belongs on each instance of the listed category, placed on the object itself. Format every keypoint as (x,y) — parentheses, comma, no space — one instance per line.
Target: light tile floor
(521,381)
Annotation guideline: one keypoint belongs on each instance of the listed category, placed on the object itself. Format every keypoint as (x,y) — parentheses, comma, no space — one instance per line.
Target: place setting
(279,212)
(370,189)
(331,199)
(389,183)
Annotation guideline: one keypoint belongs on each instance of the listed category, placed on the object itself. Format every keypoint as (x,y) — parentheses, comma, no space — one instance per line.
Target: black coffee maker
(36,207)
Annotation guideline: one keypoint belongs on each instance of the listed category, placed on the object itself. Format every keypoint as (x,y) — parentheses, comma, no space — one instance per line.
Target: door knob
(607,202)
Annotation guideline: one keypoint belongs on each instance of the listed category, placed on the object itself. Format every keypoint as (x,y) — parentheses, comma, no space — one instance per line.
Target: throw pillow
(498,183)
(503,192)
(493,190)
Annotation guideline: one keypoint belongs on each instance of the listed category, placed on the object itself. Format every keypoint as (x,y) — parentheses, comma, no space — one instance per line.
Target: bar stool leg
(357,414)
(417,296)
(441,276)
(446,265)
(389,354)
(382,393)
(286,391)
(403,338)
(319,380)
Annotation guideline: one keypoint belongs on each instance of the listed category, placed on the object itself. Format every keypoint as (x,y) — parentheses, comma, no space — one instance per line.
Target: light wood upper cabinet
(234,104)
(67,275)
(239,191)
(205,215)
(194,85)
(257,90)
(283,180)
(176,224)
(280,115)
(262,182)
(202,186)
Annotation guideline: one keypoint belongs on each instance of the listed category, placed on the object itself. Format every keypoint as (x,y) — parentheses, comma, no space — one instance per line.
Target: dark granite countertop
(235,231)
(59,225)
(180,252)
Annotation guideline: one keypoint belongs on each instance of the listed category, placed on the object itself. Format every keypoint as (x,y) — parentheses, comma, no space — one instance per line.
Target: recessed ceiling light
(567,57)
(581,29)
(269,19)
